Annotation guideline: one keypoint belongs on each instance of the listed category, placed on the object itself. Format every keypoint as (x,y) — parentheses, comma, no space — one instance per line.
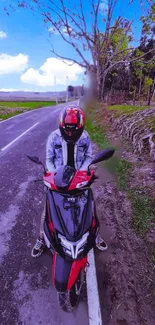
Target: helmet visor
(71,130)
(71,133)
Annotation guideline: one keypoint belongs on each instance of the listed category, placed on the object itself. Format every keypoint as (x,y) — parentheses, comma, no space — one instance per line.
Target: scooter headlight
(82,184)
(73,249)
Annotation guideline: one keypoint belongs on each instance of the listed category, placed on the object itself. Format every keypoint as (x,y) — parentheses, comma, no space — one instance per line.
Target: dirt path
(125,273)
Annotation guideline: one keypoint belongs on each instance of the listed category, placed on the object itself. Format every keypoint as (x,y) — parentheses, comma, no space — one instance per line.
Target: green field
(126,109)
(9,109)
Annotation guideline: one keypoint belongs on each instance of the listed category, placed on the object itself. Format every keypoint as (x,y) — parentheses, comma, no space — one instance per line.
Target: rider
(68,145)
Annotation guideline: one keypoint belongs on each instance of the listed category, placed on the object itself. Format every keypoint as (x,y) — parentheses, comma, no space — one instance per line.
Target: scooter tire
(68,300)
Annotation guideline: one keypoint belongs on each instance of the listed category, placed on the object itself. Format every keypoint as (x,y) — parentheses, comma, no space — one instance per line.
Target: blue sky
(24,49)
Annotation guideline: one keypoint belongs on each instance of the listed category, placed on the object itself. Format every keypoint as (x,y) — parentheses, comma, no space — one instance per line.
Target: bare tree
(95,42)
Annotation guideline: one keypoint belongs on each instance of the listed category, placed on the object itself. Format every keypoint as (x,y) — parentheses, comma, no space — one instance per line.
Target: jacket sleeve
(50,154)
(88,155)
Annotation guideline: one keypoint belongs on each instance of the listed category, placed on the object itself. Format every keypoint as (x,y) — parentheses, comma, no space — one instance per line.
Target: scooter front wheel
(68,300)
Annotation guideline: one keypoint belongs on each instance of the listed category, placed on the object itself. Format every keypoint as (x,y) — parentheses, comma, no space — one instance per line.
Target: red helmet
(71,123)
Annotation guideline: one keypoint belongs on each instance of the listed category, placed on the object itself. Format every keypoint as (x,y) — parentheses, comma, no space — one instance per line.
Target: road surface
(26,292)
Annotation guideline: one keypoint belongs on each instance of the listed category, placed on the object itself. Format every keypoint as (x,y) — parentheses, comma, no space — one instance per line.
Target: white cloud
(44,76)
(13,64)
(2,35)
(13,89)
(8,89)
(65,31)
(53,30)
(103,6)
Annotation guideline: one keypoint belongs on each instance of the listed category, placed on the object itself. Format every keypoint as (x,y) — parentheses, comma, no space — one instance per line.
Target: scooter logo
(71,199)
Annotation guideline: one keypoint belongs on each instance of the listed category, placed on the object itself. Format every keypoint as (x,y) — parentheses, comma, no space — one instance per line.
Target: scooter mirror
(35,159)
(103,155)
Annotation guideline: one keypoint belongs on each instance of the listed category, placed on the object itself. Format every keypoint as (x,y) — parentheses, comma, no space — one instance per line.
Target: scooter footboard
(65,273)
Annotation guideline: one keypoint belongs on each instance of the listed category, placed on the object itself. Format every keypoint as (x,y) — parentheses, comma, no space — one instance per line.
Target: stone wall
(139,128)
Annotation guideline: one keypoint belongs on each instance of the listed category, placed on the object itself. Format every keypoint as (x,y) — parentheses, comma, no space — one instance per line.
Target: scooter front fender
(65,273)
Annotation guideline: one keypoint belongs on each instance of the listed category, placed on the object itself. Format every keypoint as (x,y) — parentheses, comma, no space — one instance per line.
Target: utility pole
(55,90)
(66,89)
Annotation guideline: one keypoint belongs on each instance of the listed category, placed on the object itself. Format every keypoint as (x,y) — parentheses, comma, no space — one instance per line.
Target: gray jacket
(56,151)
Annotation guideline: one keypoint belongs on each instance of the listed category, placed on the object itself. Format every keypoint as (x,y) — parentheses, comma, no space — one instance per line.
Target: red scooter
(70,226)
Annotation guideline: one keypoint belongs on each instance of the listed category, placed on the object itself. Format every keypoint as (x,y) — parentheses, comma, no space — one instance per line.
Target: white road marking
(8,145)
(94,309)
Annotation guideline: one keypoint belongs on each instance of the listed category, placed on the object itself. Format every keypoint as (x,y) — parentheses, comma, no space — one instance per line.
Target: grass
(94,126)
(112,164)
(97,131)
(125,109)
(97,134)
(9,109)
(142,209)
(31,105)
(143,206)
(150,123)
(123,172)
(143,215)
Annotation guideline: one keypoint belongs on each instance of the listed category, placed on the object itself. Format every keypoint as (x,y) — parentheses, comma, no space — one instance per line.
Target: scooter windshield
(64,176)
(71,212)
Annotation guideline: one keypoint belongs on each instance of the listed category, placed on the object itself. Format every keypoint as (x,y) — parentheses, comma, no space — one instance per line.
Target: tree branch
(69,14)
(129,61)
(63,58)
(55,24)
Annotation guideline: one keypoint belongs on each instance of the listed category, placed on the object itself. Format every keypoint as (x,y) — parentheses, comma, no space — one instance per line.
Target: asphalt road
(26,293)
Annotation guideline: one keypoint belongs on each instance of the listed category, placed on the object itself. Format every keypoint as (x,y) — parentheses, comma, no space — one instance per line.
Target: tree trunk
(153,89)
(93,84)
(140,87)
(134,96)
(98,83)
(149,96)
(100,90)
(102,82)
